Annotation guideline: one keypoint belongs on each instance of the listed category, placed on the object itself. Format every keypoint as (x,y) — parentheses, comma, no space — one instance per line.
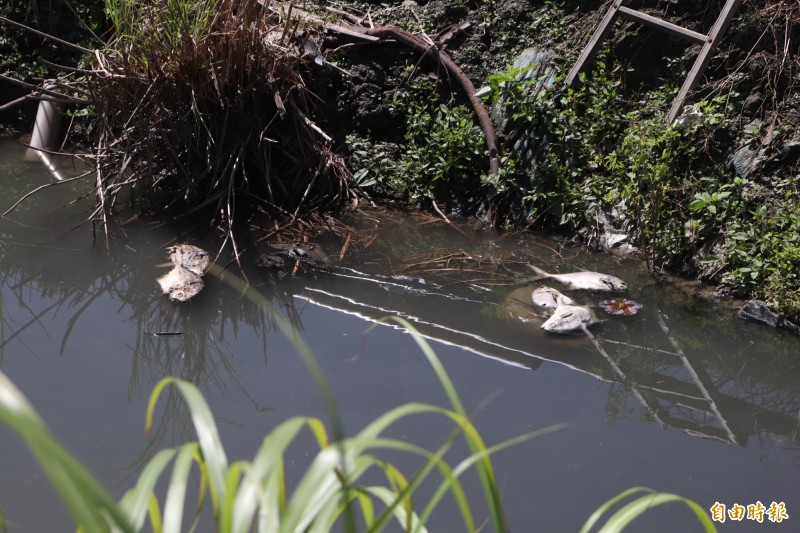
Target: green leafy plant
(441,155)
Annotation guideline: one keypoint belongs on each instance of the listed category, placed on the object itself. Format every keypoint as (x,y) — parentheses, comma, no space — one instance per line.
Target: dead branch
(47,36)
(60,96)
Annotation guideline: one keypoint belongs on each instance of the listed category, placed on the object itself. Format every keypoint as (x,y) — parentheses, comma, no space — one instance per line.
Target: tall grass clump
(201,106)
(244,494)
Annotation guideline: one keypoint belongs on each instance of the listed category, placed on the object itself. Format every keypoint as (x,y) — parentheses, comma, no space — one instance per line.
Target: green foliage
(22,52)
(570,134)
(640,505)
(86,499)
(763,249)
(440,158)
(165,25)
(670,185)
(551,20)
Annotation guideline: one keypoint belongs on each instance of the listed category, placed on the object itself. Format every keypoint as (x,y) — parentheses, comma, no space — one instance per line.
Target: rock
(759,311)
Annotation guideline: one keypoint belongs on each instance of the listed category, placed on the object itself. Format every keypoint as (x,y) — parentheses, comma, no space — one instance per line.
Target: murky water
(696,402)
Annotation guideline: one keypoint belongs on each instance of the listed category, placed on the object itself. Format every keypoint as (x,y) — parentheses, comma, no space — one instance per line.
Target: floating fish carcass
(567,318)
(549,298)
(180,284)
(189,257)
(584,280)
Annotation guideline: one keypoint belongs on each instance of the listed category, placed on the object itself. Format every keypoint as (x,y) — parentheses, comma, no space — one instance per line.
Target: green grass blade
(403,516)
(336,501)
(595,516)
(438,368)
(234,477)
(151,403)
(86,499)
(474,441)
(271,501)
(624,516)
(319,483)
(293,336)
(367,508)
(380,424)
(433,460)
(268,457)
(136,501)
(464,465)
(201,492)
(154,512)
(206,428)
(176,493)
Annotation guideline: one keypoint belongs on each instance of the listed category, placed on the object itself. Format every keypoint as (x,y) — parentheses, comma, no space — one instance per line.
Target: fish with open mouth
(584,280)
(567,318)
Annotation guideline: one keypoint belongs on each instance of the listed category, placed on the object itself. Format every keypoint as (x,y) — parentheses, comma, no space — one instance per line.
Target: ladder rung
(663,25)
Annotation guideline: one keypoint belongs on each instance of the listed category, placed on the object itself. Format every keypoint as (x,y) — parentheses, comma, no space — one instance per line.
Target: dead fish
(549,298)
(592,281)
(567,318)
(189,257)
(180,284)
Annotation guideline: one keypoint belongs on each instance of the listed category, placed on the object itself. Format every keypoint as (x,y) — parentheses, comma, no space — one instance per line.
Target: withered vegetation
(202,108)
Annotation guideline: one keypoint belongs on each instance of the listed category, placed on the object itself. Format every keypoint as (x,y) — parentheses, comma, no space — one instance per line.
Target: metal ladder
(709,42)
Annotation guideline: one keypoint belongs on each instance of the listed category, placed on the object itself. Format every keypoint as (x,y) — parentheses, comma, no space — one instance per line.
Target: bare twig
(39,188)
(60,96)
(47,36)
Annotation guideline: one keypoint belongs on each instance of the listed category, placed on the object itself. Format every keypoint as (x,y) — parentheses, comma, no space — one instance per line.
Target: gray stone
(760,312)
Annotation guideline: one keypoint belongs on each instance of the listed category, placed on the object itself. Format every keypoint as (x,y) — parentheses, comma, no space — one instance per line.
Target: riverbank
(713,199)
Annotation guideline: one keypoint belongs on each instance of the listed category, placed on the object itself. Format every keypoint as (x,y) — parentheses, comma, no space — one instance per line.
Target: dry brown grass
(210,113)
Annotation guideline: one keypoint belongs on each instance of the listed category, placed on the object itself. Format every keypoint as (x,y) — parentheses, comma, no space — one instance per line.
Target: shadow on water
(50,268)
